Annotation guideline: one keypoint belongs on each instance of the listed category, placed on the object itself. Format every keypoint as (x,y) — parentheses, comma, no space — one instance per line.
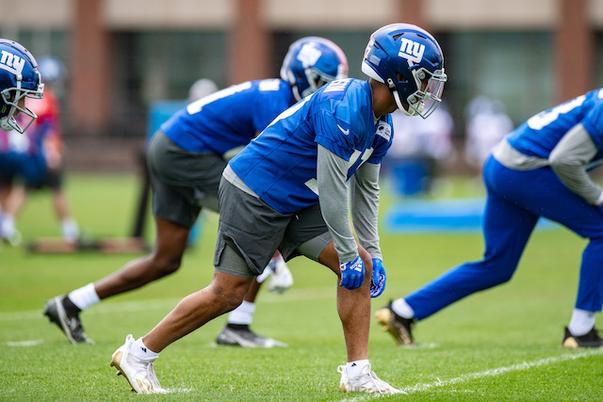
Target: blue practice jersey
(280,164)
(541,133)
(229,118)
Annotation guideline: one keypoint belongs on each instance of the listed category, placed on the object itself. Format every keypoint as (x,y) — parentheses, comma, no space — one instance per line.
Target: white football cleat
(138,372)
(367,381)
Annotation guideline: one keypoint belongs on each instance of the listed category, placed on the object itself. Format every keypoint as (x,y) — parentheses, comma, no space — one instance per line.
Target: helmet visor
(429,93)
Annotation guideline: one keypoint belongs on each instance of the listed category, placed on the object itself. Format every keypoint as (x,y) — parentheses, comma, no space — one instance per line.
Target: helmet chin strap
(296,93)
(400,106)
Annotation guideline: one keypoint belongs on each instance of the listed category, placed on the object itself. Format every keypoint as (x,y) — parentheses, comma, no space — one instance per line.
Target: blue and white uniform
(187,157)
(230,118)
(280,164)
(538,170)
(284,167)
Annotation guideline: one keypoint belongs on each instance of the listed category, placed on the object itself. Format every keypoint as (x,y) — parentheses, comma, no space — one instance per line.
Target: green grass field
(503,344)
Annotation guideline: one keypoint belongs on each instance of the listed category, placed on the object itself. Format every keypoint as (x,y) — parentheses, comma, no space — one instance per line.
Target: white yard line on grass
(502,370)
(24,344)
(293,295)
(490,373)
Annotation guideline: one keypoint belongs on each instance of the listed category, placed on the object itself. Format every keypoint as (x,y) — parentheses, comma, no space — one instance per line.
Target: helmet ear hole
(400,77)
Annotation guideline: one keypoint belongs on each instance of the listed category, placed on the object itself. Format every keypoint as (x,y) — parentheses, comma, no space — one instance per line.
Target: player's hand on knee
(352,273)
(378,279)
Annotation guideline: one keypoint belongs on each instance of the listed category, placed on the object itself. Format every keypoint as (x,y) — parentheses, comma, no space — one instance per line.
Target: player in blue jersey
(19,79)
(288,190)
(539,170)
(186,159)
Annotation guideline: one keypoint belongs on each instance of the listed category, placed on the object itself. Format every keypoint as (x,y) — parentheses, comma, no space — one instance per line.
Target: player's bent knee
(165,266)
(367,259)
(228,291)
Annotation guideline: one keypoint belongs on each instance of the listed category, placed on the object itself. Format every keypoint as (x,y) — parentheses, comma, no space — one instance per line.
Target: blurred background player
(539,170)
(291,189)
(201,88)
(420,148)
(43,163)
(186,159)
(487,124)
(19,79)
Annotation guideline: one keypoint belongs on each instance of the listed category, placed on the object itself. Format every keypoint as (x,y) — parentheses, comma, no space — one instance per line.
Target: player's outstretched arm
(569,159)
(334,205)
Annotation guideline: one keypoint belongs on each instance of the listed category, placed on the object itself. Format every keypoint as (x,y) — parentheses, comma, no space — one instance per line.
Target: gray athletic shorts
(183,182)
(250,232)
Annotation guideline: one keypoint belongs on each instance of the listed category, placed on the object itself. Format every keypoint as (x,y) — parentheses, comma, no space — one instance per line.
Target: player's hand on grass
(352,273)
(378,279)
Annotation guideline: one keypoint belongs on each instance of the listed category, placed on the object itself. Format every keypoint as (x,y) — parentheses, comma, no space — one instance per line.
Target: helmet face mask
(15,100)
(316,79)
(312,62)
(428,95)
(409,61)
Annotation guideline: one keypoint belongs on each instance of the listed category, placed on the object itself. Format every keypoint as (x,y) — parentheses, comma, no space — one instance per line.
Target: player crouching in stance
(186,159)
(540,169)
(288,190)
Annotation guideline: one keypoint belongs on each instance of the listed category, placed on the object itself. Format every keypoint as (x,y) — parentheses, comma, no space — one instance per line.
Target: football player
(19,79)
(186,159)
(539,170)
(288,190)
(42,159)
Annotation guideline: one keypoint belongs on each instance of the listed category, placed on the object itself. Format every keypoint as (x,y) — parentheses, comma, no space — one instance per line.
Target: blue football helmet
(19,79)
(310,63)
(410,62)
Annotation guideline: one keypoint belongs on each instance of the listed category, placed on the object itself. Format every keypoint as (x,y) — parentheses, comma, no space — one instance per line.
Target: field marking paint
(547,361)
(25,344)
(293,295)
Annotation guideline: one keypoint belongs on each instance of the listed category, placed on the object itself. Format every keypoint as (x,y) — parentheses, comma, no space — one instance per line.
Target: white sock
(8,228)
(84,297)
(582,321)
(355,368)
(402,308)
(242,315)
(139,350)
(70,230)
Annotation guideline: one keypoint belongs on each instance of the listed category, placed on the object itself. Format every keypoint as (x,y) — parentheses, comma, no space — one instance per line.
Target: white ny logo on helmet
(411,51)
(11,62)
(309,55)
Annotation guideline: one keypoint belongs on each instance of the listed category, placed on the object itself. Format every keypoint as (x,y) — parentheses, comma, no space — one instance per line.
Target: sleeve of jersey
(593,123)
(334,134)
(384,138)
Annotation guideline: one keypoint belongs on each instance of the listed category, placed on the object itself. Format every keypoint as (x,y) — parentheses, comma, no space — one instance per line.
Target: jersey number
(543,119)
(196,106)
